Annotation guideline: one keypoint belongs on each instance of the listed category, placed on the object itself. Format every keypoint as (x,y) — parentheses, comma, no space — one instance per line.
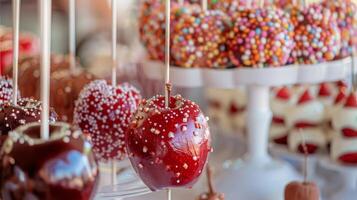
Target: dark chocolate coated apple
(60,168)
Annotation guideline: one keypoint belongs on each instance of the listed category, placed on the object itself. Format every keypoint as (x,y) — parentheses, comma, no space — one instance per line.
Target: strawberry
(168,147)
(341,96)
(324,90)
(103,112)
(283,93)
(351,101)
(305,97)
(349,158)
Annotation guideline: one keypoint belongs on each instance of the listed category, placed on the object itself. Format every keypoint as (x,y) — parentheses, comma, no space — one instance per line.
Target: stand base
(244,180)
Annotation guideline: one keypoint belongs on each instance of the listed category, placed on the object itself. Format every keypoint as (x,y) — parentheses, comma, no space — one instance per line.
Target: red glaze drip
(310,148)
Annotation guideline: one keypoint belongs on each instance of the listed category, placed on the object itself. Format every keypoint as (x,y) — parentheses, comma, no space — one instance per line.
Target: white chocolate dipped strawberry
(280,104)
(345,119)
(305,118)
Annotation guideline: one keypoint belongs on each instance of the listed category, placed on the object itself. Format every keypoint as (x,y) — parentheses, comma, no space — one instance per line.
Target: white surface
(247,181)
(231,78)
(349,189)
(128,183)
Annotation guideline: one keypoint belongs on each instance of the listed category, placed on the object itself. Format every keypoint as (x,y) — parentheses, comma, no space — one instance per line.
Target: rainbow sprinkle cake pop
(260,38)
(152,26)
(317,37)
(200,40)
(346,13)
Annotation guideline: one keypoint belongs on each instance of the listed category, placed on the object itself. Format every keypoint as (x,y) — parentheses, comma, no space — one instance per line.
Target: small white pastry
(312,136)
(278,133)
(346,117)
(344,149)
(307,110)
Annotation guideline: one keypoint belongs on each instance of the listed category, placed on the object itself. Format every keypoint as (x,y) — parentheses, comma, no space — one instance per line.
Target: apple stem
(15,48)
(204,5)
(209,180)
(114,43)
(72,33)
(167,54)
(113,173)
(169,194)
(45,65)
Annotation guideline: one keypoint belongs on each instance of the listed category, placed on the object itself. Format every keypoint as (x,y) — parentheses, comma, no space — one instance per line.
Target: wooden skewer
(15,48)
(167,54)
(45,65)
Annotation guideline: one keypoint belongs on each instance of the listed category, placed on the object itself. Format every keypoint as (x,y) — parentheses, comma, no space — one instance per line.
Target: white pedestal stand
(257,171)
(349,173)
(257,176)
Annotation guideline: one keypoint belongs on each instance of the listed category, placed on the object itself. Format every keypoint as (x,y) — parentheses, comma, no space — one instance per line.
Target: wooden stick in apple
(114,73)
(167,53)
(167,63)
(353,66)
(15,48)
(45,65)
(72,33)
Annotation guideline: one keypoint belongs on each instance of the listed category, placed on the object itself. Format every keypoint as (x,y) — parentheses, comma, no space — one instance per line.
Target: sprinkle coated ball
(152,27)
(317,37)
(6,90)
(200,40)
(346,13)
(103,112)
(261,38)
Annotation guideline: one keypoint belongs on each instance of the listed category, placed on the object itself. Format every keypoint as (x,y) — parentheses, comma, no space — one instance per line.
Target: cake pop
(28,46)
(260,38)
(280,105)
(317,37)
(62,167)
(65,88)
(168,146)
(211,194)
(305,118)
(345,11)
(199,39)
(6,90)
(152,27)
(104,112)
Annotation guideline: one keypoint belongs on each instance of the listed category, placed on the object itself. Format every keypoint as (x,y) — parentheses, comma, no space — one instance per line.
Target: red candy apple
(104,112)
(168,147)
(62,167)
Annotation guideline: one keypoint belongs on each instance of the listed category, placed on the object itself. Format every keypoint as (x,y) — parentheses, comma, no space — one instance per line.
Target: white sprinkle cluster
(104,112)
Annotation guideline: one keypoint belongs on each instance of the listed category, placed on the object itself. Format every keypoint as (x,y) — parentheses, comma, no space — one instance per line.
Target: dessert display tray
(232,78)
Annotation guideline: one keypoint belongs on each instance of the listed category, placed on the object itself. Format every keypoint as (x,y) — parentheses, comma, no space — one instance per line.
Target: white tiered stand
(257,176)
